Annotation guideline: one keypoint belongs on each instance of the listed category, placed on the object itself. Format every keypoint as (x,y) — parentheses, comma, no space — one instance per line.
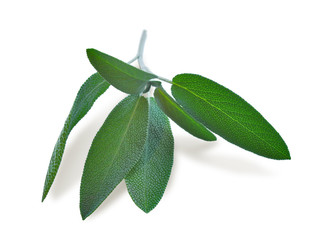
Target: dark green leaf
(116,148)
(170,107)
(86,96)
(228,115)
(119,74)
(148,179)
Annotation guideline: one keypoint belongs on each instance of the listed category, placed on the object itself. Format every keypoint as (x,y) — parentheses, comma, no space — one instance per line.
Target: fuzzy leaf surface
(116,148)
(119,74)
(147,181)
(228,115)
(87,95)
(174,111)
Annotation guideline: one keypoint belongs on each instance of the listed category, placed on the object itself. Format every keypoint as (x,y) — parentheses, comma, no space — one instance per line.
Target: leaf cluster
(135,143)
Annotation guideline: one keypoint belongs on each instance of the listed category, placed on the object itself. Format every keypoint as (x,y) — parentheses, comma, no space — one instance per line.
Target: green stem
(133,59)
(140,52)
(164,79)
(139,57)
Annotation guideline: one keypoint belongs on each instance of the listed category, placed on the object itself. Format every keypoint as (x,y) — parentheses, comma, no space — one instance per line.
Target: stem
(164,79)
(139,57)
(140,52)
(133,59)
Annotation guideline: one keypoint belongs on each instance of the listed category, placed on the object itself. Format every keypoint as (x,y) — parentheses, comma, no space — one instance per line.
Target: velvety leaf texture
(121,75)
(173,110)
(116,148)
(86,96)
(228,115)
(147,181)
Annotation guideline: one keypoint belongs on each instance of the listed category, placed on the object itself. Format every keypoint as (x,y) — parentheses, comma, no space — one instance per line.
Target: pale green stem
(139,57)
(140,52)
(133,59)
(164,79)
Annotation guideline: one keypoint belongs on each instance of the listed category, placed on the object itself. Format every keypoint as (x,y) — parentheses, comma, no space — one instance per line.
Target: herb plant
(135,142)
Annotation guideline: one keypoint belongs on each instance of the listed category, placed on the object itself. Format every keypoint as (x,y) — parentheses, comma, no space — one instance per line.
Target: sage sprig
(135,142)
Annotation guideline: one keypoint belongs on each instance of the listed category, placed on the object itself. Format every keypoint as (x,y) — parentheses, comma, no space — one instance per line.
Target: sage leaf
(116,148)
(173,110)
(87,95)
(228,115)
(147,181)
(119,74)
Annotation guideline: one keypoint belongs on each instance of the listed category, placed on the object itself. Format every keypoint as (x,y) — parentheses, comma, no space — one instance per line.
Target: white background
(266,51)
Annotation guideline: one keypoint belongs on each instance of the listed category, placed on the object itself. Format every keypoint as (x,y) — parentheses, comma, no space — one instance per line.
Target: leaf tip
(211,138)
(147,209)
(287,155)
(90,51)
(84,210)
(84,213)
(284,155)
(44,195)
(83,217)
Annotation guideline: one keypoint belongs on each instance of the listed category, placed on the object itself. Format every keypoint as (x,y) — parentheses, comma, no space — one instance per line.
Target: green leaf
(86,96)
(147,181)
(116,148)
(173,110)
(119,74)
(228,115)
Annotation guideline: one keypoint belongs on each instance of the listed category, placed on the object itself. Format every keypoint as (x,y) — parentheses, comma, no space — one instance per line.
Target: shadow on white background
(209,154)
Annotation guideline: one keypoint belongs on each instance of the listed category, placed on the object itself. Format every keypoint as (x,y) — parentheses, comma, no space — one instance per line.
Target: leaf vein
(219,109)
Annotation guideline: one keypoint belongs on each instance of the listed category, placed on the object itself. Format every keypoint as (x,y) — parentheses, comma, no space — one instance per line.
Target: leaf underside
(119,74)
(87,95)
(173,110)
(116,148)
(228,115)
(147,181)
